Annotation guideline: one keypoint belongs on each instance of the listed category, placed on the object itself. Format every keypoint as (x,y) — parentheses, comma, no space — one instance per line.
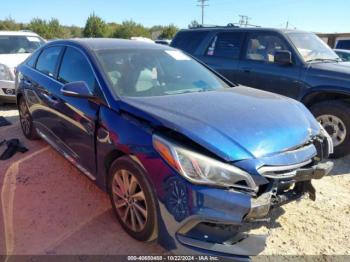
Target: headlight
(5,73)
(200,169)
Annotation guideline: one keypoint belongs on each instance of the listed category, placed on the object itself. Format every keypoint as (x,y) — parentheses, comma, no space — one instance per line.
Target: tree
(40,27)
(9,24)
(193,24)
(55,30)
(129,29)
(95,27)
(169,32)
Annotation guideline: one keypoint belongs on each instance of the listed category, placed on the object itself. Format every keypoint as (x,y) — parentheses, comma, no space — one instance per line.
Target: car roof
(243,29)
(18,33)
(97,44)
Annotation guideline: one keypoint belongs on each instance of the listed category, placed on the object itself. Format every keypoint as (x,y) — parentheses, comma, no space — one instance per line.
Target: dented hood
(236,123)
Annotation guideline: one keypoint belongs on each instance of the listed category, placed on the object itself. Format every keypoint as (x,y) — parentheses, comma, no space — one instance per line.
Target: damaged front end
(217,221)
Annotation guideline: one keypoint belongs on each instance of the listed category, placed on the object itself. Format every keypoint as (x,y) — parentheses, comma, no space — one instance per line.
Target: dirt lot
(48,207)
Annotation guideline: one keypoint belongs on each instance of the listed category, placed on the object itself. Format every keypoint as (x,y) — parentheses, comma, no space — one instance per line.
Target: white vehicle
(15,47)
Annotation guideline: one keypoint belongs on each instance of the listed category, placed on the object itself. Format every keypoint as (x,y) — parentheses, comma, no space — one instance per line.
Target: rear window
(188,41)
(343,44)
(19,44)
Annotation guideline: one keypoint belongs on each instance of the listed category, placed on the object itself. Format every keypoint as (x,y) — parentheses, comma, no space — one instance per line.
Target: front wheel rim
(129,200)
(335,128)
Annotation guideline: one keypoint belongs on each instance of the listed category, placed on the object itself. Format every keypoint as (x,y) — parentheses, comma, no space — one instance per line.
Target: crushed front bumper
(219,221)
(285,189)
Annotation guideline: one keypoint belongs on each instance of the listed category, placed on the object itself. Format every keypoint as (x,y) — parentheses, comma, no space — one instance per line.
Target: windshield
(312,48)
(19,44)
(148,72)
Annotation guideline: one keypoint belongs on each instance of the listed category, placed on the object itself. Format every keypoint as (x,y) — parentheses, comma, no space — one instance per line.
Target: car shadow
(10,112)
(341,166)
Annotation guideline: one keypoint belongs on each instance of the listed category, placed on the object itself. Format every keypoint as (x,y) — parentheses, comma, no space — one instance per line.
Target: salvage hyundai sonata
(187,157)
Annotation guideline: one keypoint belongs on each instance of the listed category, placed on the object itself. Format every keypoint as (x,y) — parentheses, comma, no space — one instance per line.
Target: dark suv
(292,63)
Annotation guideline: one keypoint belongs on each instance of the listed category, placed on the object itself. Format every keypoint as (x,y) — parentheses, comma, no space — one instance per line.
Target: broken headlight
(200,169)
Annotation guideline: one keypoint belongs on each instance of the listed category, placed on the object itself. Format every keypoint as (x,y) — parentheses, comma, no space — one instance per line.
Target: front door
(77,117)
(258,69)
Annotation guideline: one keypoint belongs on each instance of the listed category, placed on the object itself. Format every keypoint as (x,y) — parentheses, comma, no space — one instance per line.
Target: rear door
(77,117)
(258,69)
(43,82)
(223,54)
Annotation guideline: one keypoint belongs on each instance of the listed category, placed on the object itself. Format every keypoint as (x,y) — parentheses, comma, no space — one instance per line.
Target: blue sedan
(187,157)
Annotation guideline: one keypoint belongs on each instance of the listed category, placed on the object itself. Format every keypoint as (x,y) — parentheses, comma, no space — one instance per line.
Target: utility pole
(287,24)
(244,20)
(202,4)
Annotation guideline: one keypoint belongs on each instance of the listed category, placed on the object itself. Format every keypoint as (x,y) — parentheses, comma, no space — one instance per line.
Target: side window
(226,45)
(343,44)
(75,67)
(47,60)
(32,59)
(262,47)
(188,41)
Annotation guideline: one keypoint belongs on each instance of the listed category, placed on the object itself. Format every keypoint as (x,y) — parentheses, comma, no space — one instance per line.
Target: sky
(312,15)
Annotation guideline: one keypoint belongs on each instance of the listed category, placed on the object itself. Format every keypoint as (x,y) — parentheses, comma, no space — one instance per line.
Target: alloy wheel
(129,200)
(334,126)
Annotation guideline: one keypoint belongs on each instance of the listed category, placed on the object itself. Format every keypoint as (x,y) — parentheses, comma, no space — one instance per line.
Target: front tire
(26,120)
(334,116)
(132,199)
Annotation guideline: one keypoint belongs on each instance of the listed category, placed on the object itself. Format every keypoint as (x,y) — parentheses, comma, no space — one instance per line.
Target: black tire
(340,110)
(26,121)
(149,231)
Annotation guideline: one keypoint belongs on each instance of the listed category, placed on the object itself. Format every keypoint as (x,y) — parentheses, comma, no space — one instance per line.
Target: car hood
(236,123)
(12,60)
(335,69)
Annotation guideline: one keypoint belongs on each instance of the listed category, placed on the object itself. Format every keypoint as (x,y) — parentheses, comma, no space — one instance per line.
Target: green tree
(55,30)
(129,29)
(169,32)
(40,27)
(75,31)
(95,27)
(9,24)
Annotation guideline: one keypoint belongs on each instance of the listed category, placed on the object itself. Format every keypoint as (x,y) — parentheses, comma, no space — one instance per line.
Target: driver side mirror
(77,89)
(283,57)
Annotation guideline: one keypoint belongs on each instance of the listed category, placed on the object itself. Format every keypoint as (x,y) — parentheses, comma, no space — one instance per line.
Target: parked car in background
(15,47)
(343,54)
(293,63)
(186,157)
(343,43)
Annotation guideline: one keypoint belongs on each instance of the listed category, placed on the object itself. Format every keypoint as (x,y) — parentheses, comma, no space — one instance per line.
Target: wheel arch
(328,94)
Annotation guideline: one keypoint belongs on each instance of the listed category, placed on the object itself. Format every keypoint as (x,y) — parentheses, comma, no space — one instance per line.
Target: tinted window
(47,60)
(32,59)
(19,44)
(226,45)
(343,44)
(75,67)
(262,47)
(188,41)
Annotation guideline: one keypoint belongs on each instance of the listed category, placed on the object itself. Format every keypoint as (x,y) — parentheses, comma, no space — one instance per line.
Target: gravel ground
(50,208)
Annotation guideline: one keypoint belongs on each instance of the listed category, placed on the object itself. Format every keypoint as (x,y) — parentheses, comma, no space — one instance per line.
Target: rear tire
(26,121)
(132,199)
(335,118)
